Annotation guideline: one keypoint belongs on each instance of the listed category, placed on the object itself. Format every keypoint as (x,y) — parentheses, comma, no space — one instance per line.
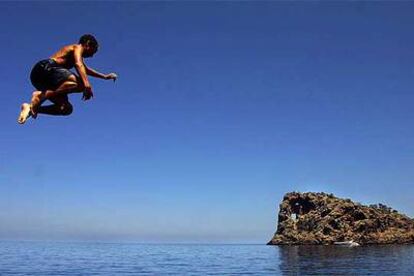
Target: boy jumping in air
(54,81)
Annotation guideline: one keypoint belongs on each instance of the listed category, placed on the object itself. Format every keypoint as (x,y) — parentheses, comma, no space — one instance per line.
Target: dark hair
(88,39)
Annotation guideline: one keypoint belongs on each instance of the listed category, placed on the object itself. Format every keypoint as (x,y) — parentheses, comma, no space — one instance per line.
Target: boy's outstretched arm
(93,73)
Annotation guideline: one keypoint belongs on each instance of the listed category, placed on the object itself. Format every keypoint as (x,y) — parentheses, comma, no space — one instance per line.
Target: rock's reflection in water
(308,260)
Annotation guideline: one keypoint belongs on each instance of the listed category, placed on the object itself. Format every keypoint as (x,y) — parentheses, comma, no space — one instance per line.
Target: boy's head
(89,44)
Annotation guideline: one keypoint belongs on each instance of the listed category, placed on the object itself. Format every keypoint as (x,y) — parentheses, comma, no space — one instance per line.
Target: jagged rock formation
(320,218)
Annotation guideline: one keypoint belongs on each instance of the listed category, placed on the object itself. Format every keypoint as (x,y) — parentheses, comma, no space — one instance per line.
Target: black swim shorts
(47,74)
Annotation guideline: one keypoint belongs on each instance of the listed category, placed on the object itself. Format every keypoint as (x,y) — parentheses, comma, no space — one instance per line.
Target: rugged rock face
(320,218)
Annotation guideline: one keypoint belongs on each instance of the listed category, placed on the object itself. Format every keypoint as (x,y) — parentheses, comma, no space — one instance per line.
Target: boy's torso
(65,57)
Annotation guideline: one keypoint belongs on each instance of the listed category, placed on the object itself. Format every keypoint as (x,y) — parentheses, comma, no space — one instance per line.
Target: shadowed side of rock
(320,218)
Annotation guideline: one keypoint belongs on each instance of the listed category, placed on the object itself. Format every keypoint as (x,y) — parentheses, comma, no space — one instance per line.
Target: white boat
(347,243)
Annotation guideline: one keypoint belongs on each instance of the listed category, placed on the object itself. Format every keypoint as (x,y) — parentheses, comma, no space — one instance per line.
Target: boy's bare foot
(36,101)
(24,113)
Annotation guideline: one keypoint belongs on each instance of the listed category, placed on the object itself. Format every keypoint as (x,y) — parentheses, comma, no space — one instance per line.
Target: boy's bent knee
(77,81)
(66,109)
(72,78)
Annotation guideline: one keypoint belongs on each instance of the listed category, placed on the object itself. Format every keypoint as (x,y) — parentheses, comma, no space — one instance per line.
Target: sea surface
(82,258)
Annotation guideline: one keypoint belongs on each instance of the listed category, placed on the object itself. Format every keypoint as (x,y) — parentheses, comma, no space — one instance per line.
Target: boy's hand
(111,76)
(87,94)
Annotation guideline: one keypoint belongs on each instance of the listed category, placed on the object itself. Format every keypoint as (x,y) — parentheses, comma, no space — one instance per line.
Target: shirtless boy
(54,81)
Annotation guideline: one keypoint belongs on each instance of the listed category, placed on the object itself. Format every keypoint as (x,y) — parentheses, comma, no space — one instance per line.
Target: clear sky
(220,109)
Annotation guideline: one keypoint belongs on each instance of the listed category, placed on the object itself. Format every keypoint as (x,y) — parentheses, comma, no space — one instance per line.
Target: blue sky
(220,109)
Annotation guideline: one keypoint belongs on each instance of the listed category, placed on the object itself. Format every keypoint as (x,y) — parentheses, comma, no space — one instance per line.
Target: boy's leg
(61,106)
(71,85)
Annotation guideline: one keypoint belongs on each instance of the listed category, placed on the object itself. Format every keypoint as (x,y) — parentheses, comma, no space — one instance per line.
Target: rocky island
(320,218)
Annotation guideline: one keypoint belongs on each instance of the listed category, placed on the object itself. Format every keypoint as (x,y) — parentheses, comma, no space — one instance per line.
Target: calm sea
(61,258)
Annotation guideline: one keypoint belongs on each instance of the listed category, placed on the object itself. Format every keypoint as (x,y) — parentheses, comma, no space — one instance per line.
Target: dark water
(58,258)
